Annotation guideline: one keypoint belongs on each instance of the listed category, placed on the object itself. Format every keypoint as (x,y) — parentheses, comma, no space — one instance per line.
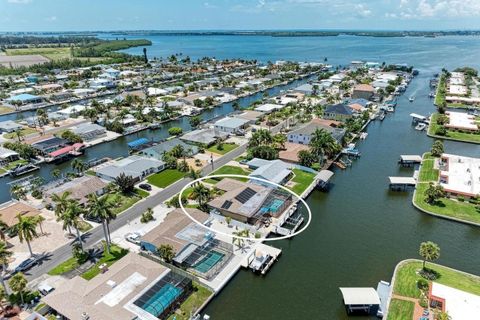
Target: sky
(85,15)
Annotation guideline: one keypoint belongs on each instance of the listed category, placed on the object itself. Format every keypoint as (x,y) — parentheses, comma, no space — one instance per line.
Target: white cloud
(417,9)
(208,5)
(19,1)
(51,19)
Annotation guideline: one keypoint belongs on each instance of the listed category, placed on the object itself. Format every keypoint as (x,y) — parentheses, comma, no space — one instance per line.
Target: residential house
(90,131)
(9,126)
(157,151)
(231,125)
(339,112)
(303,134)
(137,167)
(363,91)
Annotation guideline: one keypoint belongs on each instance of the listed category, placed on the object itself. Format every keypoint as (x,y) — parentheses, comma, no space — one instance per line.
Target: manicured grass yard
(195,300)
(451,135)
(447,207)
(13,164)
(25,132)
(64,267)
(50,53)
(165,178)
(116,253)
(407,277)
(400,309)
(302,180)
(229,170)
(227,147)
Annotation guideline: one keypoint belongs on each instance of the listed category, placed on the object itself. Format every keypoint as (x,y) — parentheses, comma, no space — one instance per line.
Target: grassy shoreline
(465,211)
(451,135)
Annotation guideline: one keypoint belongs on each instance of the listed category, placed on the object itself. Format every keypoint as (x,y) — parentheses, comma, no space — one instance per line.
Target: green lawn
(227,147)
(116,253)
(13,164)
(2,171)
(400,309)
(451,135)
(440,94)
(25,131)
(407,277)
(85,226)
(193,302)
(50,53)
(165,178)
(64,267)
(446,207)
(4,109)
(123,202)
(229,170)
(302,180)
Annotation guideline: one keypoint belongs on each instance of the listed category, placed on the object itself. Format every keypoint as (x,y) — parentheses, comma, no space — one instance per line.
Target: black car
(145,186)
(25,265)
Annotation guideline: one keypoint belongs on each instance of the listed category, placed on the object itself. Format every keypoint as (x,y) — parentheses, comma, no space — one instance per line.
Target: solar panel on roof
(226,204)
(245,195)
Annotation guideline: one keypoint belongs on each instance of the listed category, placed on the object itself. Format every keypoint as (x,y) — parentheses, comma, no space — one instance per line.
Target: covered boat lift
(324,177)
(418,118)
(402,183)
(409,160)
(361,300)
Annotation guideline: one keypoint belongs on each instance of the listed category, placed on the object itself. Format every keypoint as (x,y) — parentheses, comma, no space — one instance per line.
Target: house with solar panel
(133,288)
(197,249)
(250,203)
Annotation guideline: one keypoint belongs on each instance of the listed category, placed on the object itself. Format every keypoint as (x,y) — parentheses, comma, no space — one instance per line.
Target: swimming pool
(207,263)
(162,299)
(272,206)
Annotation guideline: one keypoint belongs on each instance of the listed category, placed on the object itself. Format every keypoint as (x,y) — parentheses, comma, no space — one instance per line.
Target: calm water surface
(360,230)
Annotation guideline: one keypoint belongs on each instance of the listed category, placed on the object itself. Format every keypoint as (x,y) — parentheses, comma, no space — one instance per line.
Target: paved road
(63,253)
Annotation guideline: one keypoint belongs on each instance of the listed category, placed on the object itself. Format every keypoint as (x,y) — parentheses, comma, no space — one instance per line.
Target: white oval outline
(252,178)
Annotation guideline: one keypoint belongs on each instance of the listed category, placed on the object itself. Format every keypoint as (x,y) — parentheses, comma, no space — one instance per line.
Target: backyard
(193,302)
(400,309)
(450,208)
(451,134)
(302,181)
(24,132)
(165,178)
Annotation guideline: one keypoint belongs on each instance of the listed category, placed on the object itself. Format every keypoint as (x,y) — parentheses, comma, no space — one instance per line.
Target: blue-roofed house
(25,98)
(231,125)
(339,112)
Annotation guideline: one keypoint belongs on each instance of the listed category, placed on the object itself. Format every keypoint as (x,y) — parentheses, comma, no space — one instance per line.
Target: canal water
(360,230)
(119,148)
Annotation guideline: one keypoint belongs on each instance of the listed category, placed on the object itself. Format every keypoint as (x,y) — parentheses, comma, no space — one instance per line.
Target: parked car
(145,186)
(133,237)
(26,265)
(45,289)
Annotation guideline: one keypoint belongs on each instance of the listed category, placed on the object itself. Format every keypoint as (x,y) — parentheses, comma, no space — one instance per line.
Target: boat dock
(409,160)
(262,258)
(293,223)
(402,183)
(418,118)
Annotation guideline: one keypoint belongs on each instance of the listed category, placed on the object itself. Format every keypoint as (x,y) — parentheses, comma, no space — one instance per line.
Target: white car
(133,237)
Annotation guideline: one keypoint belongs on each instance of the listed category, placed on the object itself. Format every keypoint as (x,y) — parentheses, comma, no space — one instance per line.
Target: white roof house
(75,109)
(460,175)
(459,304)
(269,107)
(156,91)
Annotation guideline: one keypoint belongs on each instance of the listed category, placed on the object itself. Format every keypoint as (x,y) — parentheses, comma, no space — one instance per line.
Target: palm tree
(18,283)
(429,251)
(61,202)
(19,134)
(40,220)
(78,165)
(4,255)
(100,207)
(194,174)
(18,192)
(201,194)
(27,230)
(72,218)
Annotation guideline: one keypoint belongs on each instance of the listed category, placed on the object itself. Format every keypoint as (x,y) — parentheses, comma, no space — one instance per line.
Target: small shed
(361,300)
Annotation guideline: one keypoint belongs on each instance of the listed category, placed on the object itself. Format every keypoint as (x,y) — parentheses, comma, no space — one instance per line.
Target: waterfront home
(135,166)
(71,111)
(9,126)
(196,249)
(303,134)
(460,176)
(249,202)
(7,155)
(460,121)
(9,212)
(21,91)
(25,98)
(269,107)
(339,112)
(78,188)
(203,137)
(102,83)
(275,171)
(457,303)
(152,92)
(133,288)
(363,91)
(83,92)
(231,125)
(89,131)
(159,150)
(49,145)
(49,87)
